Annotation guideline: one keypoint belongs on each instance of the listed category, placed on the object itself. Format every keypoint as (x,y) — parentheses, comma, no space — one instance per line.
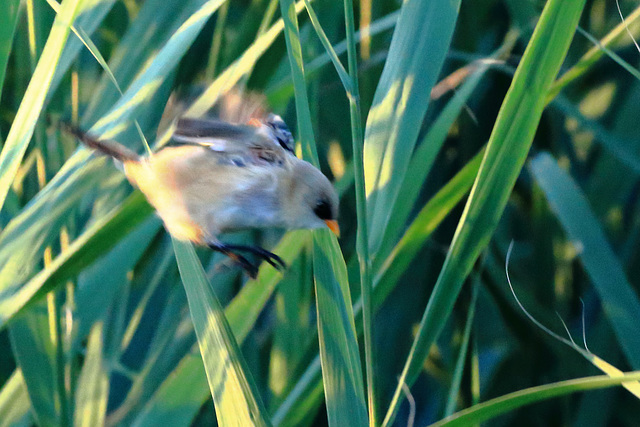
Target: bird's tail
(108,147)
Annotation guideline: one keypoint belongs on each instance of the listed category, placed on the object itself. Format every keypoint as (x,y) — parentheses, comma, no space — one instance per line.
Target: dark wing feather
(281,132)
(234,144)
(199,131)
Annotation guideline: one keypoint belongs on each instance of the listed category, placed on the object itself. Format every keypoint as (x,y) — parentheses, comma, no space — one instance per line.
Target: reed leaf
(231,385)
(506,153)
(400,103)
(31,106)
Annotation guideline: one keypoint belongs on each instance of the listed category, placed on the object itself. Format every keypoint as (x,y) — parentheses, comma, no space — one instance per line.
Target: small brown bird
(218,177)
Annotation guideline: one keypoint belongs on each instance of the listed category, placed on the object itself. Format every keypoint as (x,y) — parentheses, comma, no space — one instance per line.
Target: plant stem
(216,43)
(361,211)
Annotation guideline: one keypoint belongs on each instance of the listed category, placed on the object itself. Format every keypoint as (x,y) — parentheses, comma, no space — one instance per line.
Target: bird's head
(311,201)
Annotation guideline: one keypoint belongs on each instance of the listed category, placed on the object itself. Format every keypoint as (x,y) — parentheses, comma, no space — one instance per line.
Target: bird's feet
(231,250)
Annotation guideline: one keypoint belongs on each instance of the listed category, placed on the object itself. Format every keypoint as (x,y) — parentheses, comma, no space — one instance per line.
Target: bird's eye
(323,210)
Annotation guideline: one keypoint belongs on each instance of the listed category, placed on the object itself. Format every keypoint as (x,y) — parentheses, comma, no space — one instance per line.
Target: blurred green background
(96,327)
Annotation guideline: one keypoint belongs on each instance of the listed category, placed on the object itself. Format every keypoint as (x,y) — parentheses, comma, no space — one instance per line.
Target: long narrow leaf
(333,56)
(146,85)
(93,386)
(433,213)
(8,22)
(188,380)
(14,402)
(90,15)
(586,62)
(131,57)
(35,353)
(25,121)
(425,156)
(237,403)
(506,152)
(400,103)
(96,241)
(282,88)
(341,371)
(343,376)
(619,300)
(292,38)
(500,405)
(362,238)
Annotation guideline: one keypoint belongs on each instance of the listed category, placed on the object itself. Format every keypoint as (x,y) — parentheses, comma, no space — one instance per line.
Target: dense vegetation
(462,137)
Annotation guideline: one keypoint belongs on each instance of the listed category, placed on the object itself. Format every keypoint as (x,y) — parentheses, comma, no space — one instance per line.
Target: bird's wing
(234,144)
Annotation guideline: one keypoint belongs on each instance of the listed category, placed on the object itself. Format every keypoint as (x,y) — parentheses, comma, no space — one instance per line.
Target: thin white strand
(412,404)
(584,328)
(524,310)
(626,27)
(566,329)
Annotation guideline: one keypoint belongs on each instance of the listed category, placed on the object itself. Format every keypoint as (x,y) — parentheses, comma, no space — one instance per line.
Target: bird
(217,177)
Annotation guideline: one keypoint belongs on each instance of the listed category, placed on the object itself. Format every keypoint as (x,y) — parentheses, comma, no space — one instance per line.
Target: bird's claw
(267,256)
(252,270)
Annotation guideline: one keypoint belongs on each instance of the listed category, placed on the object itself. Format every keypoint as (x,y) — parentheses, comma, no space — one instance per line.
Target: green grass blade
(335,318)
(505,155)
(31,106)
(432,214)
(292,329)
(425,223)
(93,243)
(333,56)
(425,156)
(234,395)
(619,300)
(611,40)
(101,283)
(611,54)
(243,311)
(162,260)
(93,384)
(35,354)
(302,399)
(188,379)
(341,371)
(501,405)
(131,58)
(8,22)
(82,35)
(400,103)
(292,38)
(14,402)
(89,17)
(146,85)
(456,381)
(283,88)
(214,54)
(161,304)
(362,237)
(39,346)
(23,240)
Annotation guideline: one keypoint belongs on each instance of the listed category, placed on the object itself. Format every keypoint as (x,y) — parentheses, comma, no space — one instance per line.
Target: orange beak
(333,226)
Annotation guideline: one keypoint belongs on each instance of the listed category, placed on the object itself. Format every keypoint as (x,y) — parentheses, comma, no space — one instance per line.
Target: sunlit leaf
(236,400)
(412,68)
